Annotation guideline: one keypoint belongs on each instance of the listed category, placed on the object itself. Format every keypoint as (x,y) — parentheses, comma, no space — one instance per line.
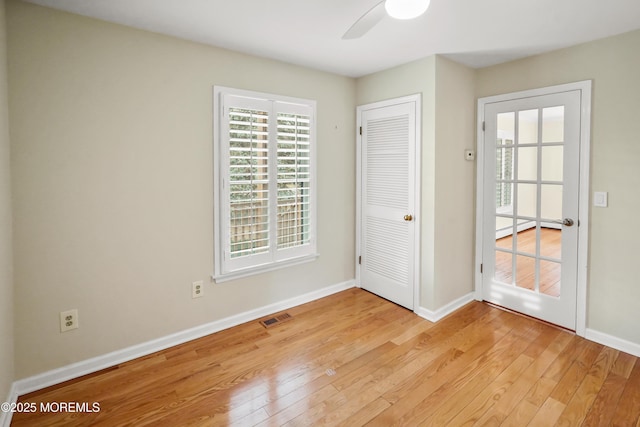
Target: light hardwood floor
(355,359)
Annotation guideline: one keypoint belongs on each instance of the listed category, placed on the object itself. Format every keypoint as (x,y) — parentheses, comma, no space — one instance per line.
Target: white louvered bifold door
(388,202)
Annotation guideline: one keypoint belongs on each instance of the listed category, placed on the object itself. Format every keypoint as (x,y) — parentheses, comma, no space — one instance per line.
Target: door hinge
(483,126)
(360,130)
(360,259)
(481,265)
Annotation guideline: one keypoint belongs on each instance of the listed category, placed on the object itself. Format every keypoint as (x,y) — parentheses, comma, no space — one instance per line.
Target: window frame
(226,268)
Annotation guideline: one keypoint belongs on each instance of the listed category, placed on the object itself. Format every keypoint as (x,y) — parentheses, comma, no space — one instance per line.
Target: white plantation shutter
(248,182)
(294,180)
(265,213)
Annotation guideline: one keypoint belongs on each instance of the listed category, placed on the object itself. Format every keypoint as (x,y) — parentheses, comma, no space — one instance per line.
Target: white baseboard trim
(613,342)
(5,417)
(434,316)
(75,370)
(508,231)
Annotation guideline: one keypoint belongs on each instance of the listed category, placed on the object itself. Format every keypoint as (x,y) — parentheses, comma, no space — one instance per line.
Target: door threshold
(517,313)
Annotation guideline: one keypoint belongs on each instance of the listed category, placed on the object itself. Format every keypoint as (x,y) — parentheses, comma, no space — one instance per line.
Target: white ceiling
(308,32)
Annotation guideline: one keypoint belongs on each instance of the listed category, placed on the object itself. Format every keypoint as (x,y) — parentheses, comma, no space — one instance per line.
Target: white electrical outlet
(197,289)
(69,320)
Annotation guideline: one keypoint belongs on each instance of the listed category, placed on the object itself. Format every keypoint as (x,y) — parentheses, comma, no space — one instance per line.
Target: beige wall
(454,183)
(447,221)
(6,277)
(112,177)
(612,64)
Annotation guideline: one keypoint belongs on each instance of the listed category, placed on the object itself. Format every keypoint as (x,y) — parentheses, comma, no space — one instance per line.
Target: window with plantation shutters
(264,170)
(504,172)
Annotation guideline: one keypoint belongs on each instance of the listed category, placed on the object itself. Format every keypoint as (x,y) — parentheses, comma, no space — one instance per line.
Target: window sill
(252,271)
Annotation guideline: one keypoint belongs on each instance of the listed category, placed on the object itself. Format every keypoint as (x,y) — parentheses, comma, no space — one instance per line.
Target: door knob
(567,222)
(408,217)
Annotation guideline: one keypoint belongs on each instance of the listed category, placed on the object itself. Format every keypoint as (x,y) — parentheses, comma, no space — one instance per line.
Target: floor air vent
(275,320)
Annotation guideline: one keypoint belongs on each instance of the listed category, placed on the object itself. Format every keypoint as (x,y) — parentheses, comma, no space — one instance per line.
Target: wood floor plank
(466,388)
(548,414)
(355,359)
(405,397)
(439,405)
(574,375)
(492,393)
(521,415)
(566,359)
(582,401)
(413,331)
(364,415)
(628,409)
(430,343)
(603,409)
(300,408)
(527,384)
(624,365)
(540,391)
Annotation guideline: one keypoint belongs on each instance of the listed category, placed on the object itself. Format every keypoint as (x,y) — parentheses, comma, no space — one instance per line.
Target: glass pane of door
(529,194)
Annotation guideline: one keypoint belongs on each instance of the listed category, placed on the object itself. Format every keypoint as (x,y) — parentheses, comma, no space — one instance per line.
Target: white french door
(388,229)
(531,208)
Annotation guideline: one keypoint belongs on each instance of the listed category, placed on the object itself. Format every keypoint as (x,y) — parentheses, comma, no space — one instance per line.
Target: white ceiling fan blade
(366,22)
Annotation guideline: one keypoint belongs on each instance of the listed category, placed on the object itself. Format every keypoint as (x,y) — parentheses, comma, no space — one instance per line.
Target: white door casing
(388,214)
(502,204)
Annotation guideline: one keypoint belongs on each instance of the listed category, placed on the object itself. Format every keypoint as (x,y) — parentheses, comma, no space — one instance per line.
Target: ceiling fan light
(406,9)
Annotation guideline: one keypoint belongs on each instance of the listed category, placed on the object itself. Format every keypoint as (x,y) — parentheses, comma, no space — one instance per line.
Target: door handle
(408,217)
(567,222)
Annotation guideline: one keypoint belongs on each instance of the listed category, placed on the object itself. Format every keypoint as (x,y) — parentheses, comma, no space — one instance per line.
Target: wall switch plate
(601,199)
(197,289)
(69,320)
(469,155)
